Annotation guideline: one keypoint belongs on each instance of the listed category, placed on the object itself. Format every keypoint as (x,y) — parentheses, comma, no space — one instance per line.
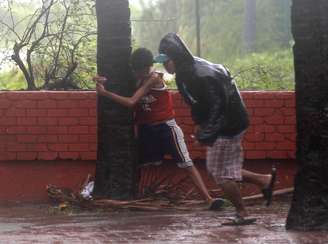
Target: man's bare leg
(198,181)
(232,192)
(261,180)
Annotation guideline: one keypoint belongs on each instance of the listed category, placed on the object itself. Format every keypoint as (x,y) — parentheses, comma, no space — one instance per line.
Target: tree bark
(116,159)
(309,208)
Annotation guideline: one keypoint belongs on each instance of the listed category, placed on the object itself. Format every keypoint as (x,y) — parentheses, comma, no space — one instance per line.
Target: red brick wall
(62,125)
(272,130)
(47,125)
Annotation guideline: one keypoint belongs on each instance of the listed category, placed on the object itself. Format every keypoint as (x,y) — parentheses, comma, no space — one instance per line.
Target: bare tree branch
(48,45)
(61,37)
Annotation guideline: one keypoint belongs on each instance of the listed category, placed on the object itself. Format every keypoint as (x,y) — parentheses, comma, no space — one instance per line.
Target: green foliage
(147,25)
(222,23)
(12,80)
(265,71)
(272,71)
(273,25)
(268,67)
(221,29)
(87,65)
(62,48)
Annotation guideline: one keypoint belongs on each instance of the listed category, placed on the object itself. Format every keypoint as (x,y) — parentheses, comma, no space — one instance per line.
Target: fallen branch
(274,193)
(158,201)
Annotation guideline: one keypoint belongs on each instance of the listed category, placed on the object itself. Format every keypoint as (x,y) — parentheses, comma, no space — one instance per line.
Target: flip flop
(241,221)
(267,192)
(217,205)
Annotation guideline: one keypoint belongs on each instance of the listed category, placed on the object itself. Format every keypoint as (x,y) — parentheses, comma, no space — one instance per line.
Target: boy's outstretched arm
(129,101)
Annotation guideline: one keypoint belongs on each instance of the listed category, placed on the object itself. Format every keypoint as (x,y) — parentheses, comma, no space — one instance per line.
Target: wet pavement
(44,224)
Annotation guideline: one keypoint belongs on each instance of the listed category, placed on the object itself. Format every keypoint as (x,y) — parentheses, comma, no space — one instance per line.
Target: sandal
(238,220)
(267,192)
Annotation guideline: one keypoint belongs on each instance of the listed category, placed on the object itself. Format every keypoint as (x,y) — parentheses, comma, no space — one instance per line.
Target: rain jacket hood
(174,47)
(209,89)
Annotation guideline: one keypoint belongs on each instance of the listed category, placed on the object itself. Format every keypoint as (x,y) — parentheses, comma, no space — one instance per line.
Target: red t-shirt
(155,107)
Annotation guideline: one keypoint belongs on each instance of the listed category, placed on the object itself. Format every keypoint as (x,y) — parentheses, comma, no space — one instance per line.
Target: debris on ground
(160,195)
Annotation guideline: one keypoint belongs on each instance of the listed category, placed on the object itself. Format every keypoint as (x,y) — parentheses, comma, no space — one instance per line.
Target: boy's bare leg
(198,181)
(261,180)
(232,192)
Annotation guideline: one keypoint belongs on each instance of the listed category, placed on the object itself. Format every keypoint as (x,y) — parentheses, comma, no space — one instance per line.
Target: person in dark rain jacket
(221,118)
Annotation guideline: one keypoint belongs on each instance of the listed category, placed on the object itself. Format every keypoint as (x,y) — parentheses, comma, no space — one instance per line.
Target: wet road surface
(41,224)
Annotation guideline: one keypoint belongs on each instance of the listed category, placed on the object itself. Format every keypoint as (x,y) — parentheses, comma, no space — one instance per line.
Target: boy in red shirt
(158,132)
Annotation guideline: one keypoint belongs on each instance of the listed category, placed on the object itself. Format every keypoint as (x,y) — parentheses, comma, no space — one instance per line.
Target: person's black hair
(141,58)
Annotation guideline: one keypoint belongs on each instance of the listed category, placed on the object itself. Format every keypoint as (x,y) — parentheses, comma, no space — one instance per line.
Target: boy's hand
(100,89)
(154,76)
(196,143)
(99,79)
(196,128)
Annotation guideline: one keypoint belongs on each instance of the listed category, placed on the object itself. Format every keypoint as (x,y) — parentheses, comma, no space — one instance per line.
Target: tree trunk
(116,167)
(309,208)
(249,25)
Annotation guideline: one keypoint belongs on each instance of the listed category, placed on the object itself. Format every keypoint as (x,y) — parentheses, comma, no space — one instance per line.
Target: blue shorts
(156,141)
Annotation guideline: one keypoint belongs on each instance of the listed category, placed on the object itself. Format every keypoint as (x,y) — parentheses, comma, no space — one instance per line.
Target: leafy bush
(12,80)
(51,46)
(261,71)
(265,71)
